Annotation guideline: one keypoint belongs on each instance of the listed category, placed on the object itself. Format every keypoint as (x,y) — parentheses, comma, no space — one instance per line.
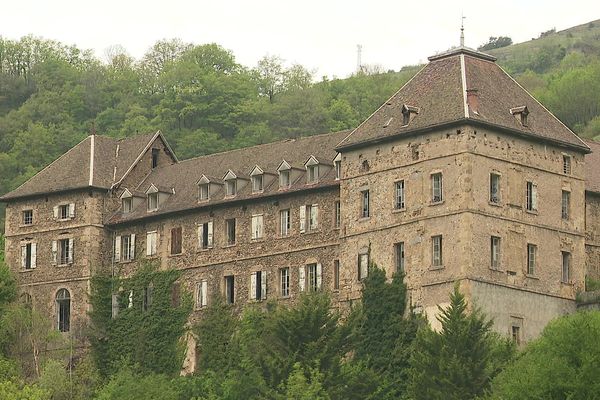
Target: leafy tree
(496,43)
(299,387)
(11,390)
(128,385)
(459,361)
(562,364)
(8,285)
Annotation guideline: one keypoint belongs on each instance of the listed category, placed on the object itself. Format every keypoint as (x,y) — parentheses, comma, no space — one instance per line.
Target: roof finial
(462,30)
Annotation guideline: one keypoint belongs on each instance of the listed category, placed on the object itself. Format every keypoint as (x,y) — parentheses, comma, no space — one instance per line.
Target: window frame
(565,205)
(285,180)
(204,192)
(151,244)
(337,210)
(312,173)
(127,205)
(531,259)
(567,164)
(363,265)
(399,195)
(437,188)
(531,197)
(229,289)
(336,274)
(284,282)
(27,217)
(176,241)
(365,211)
(66,249)
(437,260)
(63,310)
(285,222)
(231,231)
(258,183)
(565,266)
(495,196)
(495,252)
(257,226)
(63,212)
(400,257)
(152,202)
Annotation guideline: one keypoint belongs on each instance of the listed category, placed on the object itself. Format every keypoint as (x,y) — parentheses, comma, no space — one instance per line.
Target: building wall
(592,245)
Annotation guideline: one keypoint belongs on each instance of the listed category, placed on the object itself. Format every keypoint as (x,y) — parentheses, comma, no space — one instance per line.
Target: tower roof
(461,85)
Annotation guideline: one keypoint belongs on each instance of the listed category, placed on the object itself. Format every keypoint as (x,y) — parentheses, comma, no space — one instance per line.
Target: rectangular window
(365,212)
(338,215)
(399,257)
(28,255)
(566,266)
(566,204)
(155,153)
(531,256)
(516,334)
(257,226)
(205,235)
(436,188)
(230,228)
(257,183)
(151,243)
(202,294)
(313,276)
(531,197)
(566,165)
(285,222)
(64,211)
(399,203)
(436,251)
(495,252)
(231,187)
(284,275)
(312,173)
(152,201)
(27,217)
(258,285)
(204,191)
(127,204)
(65,251)
(363,266)
(338,169)
(494,188)
(127,247)
(230,289)
(284,179)
(176,240)
(309,217)
(336,274)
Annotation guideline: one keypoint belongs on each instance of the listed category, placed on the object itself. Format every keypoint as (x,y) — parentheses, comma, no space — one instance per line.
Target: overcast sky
(321,35)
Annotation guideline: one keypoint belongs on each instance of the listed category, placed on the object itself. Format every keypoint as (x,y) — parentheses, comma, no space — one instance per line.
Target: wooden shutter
(314,216)
(319,275)
(117,249)
(132,246)
(204,298)
(55,212)
(534,197)
(253,286)
(70,256)
(210,233)
(72,210)
(302,219)
(33,255)
(254,226)
(200,235)
(302,278)
(149,244)
(54,251)
(23,255)
(263,285)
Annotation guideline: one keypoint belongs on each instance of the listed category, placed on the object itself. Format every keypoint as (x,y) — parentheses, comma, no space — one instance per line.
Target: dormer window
(152,201)
(408,113)
(520,114)
(203,191)
(231,187)
(312,170)
(155,153)
(127,204)
(284,178)
(337,162)
(257,176)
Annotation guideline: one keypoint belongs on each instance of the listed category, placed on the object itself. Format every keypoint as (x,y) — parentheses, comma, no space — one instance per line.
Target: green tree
(299,387)
(460,360)
(563,363)
(128,385)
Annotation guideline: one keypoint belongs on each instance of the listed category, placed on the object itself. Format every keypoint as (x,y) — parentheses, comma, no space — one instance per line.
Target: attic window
(231,187)
(284,178)
(152,201)
(257,183)
(155,153)
(520,114)
(127,205)
(408,113)
(203,191)
(312,173)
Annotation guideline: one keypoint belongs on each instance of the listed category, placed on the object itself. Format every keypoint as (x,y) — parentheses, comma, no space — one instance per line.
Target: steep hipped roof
(90,163)
(183,176)
(592,167)
(462,85)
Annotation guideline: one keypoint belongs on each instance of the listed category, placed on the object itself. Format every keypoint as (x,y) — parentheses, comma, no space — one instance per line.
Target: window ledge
(532,212)
(399,210)
(437,203)
(363,219)
(175,255)
(229,245)
(311,232)
(283,237)
(203,249)
(125,261)
(25,225)
(567,283)
(497,270)
(436,267)
(25,270)
(63,265)
(200,308)
(258,240)
(495,204)
(535,277)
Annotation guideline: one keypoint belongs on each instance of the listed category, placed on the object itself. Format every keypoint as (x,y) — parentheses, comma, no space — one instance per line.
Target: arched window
(63,310)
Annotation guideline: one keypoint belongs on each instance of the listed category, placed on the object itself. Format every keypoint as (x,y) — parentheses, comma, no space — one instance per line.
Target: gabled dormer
(337,164)
(260,179)
(315,169)
(130,200)
(233,183)
(520,113)
(207,187)
(157,195)
(287,174)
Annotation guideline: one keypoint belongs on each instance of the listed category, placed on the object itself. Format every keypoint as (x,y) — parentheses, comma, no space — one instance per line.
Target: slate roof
(439,92)
(72,169)
(592,167)
(183,176)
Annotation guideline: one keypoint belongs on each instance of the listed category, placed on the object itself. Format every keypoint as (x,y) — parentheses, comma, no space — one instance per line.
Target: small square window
(27,217)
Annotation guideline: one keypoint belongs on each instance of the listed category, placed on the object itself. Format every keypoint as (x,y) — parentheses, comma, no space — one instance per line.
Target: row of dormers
(233,182)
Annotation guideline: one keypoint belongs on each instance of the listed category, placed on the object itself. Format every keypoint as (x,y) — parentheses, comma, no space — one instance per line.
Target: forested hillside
(52,95)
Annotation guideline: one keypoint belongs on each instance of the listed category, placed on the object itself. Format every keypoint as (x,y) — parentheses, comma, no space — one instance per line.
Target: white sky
(321,35)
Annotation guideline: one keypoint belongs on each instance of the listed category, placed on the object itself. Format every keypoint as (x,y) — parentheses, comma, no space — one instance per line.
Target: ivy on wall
(145,331)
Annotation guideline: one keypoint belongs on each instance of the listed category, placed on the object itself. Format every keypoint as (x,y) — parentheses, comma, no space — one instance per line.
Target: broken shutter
(204,297)
(33,255)
(55,212)
(263,285)
(319,276)
(72,210)
(253,286)
(117,249)
(302,219)
(210,233)
(302,278)
(132,246)
(54,251)
(534,197)
(200,236)
(24,256)
(70,255)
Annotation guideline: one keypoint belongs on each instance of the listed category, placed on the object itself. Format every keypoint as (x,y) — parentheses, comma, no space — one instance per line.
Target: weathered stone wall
(592,230)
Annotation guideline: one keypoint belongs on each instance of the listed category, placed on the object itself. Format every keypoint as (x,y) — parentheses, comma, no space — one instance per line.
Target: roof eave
(8,199)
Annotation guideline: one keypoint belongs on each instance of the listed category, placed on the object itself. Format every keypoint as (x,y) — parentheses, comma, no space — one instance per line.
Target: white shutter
(55,212)
(319,275)
(72,210)
(130,304)
(149,243)
(254,227)
(23,255)
(117,250)
(302,219)
(534,196)
(204,298)
(115,305)
(314,216)
(200,235)
(132,246)
(54,251)
(253,286)
(70,251)
(301,278)
(210,233)
(259,227)
(263,285)
(33,255)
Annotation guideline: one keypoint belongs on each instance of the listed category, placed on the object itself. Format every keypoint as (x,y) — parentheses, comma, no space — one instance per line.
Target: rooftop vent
(408,113)
(520,113)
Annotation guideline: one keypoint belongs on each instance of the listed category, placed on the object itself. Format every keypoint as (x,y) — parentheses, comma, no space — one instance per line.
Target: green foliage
(562,364)
(299,387)
(146,334)
(459,361)
(11,390)
(495,43)
(592,284)
(8,286)
(79,383)
(128,385)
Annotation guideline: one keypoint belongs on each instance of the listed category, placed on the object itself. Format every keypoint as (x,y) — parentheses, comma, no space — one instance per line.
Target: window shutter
(72,210)
(254,224)
(302,219)
(200,235)
(263,284)
(23,255)
(204,298)
(70,250)
(210,233)
(314,216)
(130,303)
(117,249)
(319,275)
(115,305)
(302,278)
(54,251)
(132,246)
(149,244)
(534,196)
(33,255)
(259,227)
(55,212)
(253,286)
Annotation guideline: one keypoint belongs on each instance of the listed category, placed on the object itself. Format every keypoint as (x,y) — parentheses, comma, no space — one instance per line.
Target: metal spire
(462,31)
